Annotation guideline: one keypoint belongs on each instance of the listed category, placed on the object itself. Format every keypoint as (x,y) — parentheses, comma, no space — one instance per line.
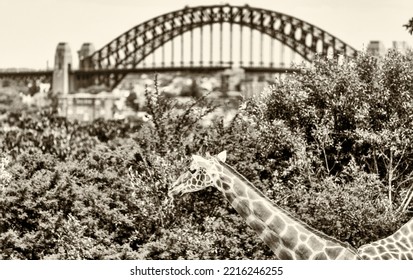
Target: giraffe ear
(222,156)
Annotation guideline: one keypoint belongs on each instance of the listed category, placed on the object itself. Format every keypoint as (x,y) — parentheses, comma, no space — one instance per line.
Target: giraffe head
(202,173)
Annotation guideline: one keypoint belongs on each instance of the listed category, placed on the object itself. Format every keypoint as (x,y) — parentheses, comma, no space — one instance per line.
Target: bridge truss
(126,53)
(202,39)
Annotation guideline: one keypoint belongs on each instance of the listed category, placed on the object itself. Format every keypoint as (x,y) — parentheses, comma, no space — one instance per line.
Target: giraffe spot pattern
(271,239)
(285,255)
(397,235)
(315,244)
(242,207)
(256,224)
(219,168)
(231,198)
(368,249)
(404,240)
(261,210)
(320,256)
(401,246)
(348,254)
(391,246)
(332,253)
(277,224)
(290,238)
(405,231)
(381,249)
(259,217)
(386,256)
(303,252)
(239,190)
(253,195)
(303,237)
(226,186)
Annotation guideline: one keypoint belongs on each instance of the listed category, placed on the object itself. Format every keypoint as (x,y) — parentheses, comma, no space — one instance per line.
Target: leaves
(331,144)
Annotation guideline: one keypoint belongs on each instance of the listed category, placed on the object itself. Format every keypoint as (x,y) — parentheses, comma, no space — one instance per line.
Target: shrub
(330,144)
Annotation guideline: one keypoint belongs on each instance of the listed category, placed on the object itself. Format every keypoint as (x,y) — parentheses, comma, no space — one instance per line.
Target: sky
(31,29)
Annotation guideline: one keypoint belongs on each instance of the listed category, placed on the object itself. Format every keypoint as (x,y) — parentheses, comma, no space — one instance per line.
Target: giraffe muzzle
(178,187)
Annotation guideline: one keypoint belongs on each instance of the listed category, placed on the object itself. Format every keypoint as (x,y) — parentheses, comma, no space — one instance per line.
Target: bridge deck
(18,74)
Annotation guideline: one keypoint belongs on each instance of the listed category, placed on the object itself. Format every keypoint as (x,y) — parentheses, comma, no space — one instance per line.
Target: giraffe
(286,236)
(397,246)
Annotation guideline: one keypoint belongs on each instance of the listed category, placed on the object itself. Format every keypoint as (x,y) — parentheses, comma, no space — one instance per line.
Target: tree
(6,83)
(193,90)
(409,26)
(130,101)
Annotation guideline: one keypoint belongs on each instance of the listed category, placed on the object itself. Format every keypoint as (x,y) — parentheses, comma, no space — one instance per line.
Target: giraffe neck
(397,246)
(287,237)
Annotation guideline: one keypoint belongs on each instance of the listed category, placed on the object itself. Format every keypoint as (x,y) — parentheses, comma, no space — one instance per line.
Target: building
(88,106)
(376,48)
(401,46)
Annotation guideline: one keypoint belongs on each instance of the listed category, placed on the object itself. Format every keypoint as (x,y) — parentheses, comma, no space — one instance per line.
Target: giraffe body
(397,246)
(287,237)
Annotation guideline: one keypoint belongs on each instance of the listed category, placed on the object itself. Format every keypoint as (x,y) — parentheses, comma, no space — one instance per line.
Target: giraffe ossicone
(288,237)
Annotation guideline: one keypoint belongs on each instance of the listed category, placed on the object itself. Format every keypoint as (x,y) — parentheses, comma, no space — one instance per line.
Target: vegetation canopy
(332,144)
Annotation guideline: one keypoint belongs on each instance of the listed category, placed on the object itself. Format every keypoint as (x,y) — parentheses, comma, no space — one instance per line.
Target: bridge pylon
(86,50)
(62,67)
(85,64)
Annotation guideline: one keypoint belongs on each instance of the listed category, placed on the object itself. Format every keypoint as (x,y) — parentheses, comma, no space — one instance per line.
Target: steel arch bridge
(126,53)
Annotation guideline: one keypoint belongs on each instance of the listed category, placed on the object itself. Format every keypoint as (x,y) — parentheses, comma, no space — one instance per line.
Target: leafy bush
(45,132)
(351,128)
(330,144)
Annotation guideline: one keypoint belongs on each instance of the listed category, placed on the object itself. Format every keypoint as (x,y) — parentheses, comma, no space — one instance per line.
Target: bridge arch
(111,63)
(131,47)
